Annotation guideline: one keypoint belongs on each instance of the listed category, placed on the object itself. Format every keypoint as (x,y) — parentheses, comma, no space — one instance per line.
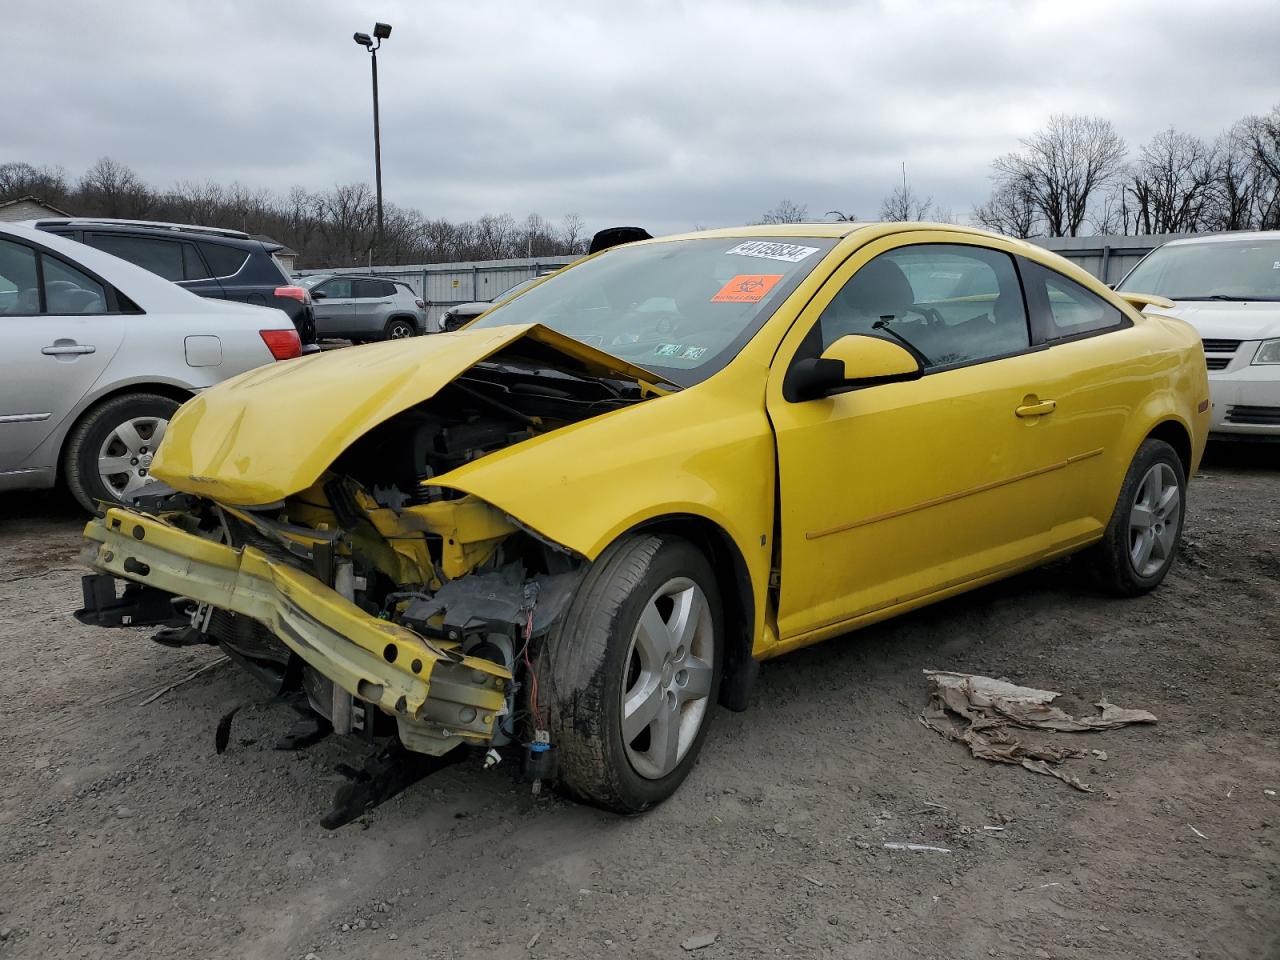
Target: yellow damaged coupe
(568,530)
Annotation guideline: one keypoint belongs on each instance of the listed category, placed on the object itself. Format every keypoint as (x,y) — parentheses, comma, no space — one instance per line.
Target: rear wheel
(109,452)
(399,329)
(1141,540)
(632,674)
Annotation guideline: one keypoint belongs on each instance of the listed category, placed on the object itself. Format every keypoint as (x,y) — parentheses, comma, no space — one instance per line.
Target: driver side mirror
(317,295)
(852,362)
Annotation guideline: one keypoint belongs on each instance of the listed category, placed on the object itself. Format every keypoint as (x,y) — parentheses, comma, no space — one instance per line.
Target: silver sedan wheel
(124,462)
(667,685)
(1153,521)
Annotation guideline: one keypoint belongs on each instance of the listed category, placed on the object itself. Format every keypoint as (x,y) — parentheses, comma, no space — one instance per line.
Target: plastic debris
(916,846)
(699,941)
(990,707)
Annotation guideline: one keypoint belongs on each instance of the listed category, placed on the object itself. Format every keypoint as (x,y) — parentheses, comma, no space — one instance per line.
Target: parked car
(1228,288)
(208,261)
(580,522)
(461,314)
(96,354)
(365,308)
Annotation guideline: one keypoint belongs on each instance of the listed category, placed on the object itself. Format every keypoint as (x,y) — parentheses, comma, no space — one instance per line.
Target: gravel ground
(123,834)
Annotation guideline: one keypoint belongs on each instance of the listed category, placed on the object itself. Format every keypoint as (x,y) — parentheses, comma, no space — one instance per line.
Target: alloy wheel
(1153,520)
(667,685)
(399,331)
(124,461)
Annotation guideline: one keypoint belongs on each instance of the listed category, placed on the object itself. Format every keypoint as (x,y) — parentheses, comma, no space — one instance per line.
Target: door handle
(1037,409)
(60,349)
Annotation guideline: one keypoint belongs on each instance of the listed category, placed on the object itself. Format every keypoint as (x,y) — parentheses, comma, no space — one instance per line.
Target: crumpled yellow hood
(272,432)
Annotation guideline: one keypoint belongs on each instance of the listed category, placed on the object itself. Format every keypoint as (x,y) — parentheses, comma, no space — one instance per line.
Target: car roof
(151,292)
(154,228)
(1226,237)
(826,229)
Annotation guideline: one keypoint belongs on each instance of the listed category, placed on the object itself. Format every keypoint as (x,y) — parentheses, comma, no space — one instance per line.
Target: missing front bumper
(439,698)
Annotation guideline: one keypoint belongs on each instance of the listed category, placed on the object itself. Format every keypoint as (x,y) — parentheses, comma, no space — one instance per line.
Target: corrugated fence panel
(442,285)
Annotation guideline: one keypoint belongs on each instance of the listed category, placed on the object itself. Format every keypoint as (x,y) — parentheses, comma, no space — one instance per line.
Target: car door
(904,491)
(372,300)
(334,307)
(57,336)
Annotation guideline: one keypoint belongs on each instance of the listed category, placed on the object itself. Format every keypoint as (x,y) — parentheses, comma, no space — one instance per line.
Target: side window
(370,289)
(338,289)
(1063,308)
(19,282)
(224,261)
(388,288)
(953,303)
(69,291)
(162,257)
(193,267)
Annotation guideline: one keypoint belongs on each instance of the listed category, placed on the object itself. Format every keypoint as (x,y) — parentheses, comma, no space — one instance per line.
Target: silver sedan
(96,354)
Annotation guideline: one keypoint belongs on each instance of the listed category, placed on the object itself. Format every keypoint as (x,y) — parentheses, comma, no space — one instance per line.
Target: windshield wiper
(883,324)
(1227,296)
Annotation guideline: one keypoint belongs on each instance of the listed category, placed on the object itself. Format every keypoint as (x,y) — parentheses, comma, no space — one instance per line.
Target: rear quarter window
(224,261)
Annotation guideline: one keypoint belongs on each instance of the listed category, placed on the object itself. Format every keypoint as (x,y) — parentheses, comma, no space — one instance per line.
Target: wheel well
(177,394)
(403,316)
(736,593)
(1175,435)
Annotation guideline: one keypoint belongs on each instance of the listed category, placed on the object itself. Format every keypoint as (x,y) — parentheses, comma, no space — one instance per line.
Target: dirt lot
(122,833)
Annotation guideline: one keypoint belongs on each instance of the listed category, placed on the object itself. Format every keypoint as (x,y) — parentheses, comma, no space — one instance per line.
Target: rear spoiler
(1141,300)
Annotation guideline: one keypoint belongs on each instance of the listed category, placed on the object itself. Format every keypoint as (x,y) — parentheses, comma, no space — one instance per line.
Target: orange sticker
(747,288)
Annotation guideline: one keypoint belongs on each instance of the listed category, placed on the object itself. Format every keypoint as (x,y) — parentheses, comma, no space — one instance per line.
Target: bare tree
(842,217)
(905,204)
(1062,167)
(785,212)
(1009,210)
(1172,183)
(20,179)
(111,189)
(573,234)
(1262,136)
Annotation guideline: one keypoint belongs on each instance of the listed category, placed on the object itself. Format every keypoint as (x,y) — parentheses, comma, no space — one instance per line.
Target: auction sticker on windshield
(768,250)
(747,288)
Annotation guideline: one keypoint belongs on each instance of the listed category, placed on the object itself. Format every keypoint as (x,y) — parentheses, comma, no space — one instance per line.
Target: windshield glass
(1223,269)
(310,282)
(512,291)
(681,308)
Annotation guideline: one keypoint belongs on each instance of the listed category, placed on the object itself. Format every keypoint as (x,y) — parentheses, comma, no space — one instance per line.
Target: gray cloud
(661,113)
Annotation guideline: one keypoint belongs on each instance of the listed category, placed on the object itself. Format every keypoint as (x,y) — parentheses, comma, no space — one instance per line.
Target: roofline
(31,197)
(1225,237)
(153,224)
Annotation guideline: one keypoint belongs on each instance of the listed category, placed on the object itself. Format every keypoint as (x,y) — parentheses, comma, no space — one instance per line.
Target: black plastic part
(612,236)
(306,732)
(138,606)
(539,764)
(185,636)
(383,776)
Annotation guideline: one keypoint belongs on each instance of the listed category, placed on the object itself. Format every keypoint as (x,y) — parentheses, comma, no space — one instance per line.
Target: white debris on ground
(979,711)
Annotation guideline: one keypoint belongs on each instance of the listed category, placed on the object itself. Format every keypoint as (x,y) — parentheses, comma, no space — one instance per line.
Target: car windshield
(1217,270)
(510,292)
(681,308)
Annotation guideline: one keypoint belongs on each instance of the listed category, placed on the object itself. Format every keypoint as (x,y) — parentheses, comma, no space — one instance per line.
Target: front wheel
(631,675)
(1141,540)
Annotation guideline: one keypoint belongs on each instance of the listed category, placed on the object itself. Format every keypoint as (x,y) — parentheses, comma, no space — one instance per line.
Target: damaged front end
(378,599)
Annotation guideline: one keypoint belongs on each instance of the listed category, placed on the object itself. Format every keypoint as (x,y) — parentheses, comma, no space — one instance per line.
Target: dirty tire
(1110,561)
(80,455)
(583,671)
(399,328)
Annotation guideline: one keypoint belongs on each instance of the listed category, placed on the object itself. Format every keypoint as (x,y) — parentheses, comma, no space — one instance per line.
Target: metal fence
(443,285)
(1107,257)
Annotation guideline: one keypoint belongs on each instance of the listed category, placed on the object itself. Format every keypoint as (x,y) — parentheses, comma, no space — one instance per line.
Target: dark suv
(208,261)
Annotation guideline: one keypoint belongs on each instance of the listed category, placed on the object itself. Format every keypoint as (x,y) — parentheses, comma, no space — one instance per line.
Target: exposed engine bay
(453,596)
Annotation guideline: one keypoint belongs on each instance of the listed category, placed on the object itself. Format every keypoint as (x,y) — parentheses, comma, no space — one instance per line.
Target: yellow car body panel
(884,499)
(271,432)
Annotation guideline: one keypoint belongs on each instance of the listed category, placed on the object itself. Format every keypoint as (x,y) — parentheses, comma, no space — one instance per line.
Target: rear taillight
(294,293)
(421,304)
(283,344)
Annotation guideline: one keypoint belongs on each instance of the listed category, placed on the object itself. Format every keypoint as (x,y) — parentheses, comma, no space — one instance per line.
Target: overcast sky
(663,114)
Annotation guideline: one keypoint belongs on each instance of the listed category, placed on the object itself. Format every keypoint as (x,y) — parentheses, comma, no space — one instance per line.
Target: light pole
(380,32)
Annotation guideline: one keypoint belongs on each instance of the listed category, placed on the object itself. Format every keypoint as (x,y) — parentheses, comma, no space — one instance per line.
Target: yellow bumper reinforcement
(439,697)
